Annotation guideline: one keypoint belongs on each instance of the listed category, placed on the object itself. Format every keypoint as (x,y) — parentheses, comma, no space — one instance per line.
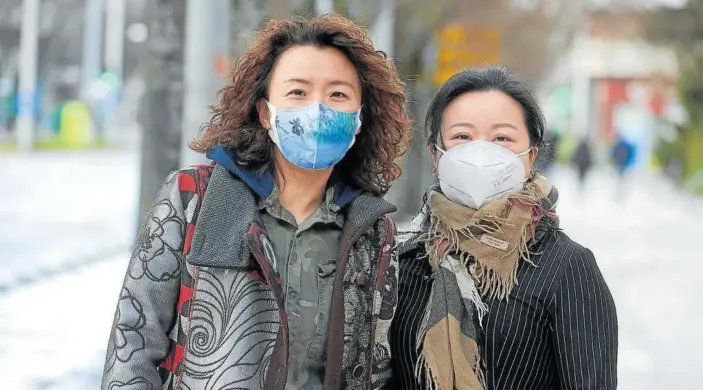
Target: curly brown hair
(386,127)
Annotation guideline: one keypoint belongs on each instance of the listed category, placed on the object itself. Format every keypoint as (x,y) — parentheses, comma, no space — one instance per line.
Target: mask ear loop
(441,151)
(439,140)
(273,130)
(532,174)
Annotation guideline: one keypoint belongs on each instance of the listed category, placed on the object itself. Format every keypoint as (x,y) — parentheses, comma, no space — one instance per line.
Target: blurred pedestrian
(246,285)
(582,161)
(493,295)
(623,157)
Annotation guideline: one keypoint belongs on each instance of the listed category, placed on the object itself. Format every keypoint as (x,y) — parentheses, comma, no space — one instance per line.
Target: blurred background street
(98,97)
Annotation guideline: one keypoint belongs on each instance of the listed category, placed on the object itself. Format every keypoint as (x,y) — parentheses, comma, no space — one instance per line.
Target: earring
(434,171)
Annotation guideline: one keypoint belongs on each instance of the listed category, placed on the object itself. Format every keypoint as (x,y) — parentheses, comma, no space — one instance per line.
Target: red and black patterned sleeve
(147,303)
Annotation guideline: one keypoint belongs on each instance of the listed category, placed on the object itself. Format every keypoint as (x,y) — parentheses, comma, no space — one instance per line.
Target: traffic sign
(460,47)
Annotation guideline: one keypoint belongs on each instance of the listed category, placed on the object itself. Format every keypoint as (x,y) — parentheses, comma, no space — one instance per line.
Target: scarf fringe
(422,366)
(441,240)
(443,237)
(432,382)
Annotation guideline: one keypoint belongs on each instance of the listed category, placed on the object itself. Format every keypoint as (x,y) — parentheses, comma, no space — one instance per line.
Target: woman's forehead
(485,109)
(314,65)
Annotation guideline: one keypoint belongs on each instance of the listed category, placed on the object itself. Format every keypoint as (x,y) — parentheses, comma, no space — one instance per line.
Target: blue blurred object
(623,154)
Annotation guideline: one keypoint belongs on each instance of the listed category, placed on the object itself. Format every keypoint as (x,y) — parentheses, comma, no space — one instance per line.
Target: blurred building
(618,83)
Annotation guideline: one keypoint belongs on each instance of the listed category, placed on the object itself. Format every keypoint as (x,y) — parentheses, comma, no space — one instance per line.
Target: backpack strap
(192,184)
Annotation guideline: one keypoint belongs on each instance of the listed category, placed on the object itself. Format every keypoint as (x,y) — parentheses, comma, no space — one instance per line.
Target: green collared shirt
(306,260)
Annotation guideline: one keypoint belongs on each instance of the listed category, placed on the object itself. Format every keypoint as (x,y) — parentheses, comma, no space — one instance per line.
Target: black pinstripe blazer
(557,330)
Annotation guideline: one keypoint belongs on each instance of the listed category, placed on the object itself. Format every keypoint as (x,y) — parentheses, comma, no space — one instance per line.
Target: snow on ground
(54,324)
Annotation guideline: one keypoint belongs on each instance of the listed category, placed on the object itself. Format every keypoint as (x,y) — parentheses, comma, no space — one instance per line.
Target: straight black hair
(495,78)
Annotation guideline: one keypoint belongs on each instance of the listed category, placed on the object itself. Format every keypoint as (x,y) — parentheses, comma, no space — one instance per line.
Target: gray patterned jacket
(201,304)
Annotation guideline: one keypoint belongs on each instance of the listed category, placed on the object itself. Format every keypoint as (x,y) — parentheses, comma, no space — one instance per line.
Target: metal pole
(114,61)
(383,29)
(29,42)
(199,71)
(92,42)
(114,37)
(161,106)
(581,85)
(324,7)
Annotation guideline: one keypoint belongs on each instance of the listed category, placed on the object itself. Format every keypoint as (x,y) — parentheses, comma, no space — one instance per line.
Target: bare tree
(161,108)
(10,19)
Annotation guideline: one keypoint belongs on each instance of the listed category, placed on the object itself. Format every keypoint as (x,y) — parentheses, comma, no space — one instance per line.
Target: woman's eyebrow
(502,125)
(297,81)
(463,124)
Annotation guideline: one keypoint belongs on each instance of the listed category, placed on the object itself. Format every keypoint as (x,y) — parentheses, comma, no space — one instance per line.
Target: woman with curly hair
(283,273)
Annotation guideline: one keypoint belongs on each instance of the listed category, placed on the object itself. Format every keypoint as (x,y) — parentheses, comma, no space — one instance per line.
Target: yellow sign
(460,47)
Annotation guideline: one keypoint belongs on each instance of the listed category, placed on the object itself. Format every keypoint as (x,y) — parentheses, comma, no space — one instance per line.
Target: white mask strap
(517,154)
(272,131)
(525,152)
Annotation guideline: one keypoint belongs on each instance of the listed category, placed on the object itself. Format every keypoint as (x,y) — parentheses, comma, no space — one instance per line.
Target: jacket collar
(262,183)
(229,209)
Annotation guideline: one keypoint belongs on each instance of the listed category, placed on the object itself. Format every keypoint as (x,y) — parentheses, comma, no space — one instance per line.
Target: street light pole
(199,70)
(92,42)
(581,83)
(324,7)
(114,37)
(383,29)
(29,42)
(114,62)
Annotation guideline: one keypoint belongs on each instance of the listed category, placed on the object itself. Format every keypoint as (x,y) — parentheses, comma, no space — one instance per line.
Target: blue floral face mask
(315,137)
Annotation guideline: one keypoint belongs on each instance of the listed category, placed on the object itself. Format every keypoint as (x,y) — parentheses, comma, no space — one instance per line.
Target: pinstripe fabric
(557,330)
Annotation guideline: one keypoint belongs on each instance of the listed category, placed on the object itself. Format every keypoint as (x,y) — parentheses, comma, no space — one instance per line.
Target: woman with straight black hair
(492,294)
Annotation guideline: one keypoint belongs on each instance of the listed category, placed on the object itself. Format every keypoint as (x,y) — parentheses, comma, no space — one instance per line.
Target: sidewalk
(68,222)
(648,246)
(53,334)
(54,330)
(62,209)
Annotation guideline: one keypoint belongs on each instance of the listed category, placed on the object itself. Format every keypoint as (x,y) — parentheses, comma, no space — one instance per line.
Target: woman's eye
(296,92)
(501,138)
(464,137)
(339,95)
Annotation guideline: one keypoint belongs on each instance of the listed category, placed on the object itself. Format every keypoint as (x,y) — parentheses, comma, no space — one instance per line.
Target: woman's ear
(435,158)
(264,114)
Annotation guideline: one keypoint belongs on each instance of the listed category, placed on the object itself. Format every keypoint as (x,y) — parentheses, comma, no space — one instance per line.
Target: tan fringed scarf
(473,254)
